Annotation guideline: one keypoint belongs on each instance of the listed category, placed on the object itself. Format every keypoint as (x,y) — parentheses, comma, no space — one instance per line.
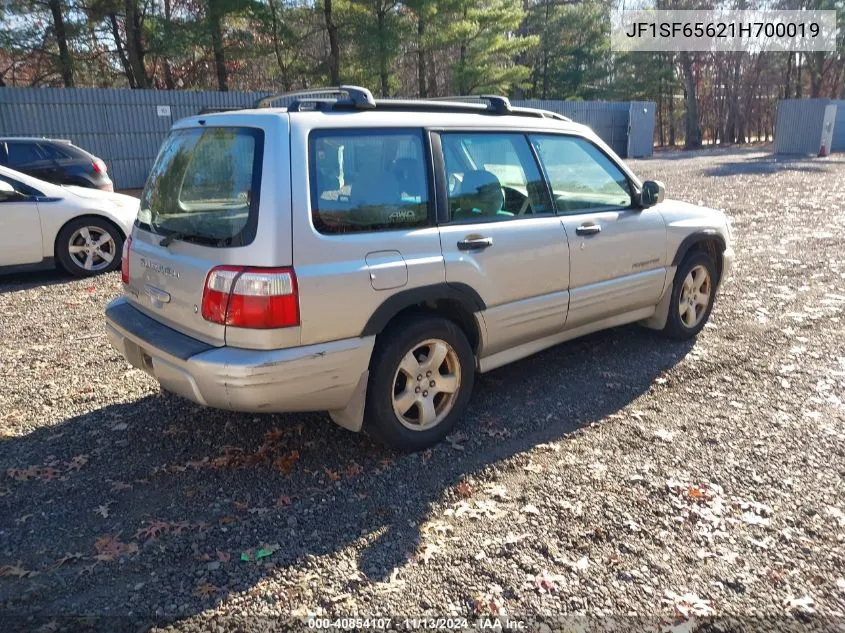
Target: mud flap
(351,417)
(657,321)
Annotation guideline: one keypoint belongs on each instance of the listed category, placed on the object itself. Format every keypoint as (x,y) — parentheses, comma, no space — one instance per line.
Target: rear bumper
(319,377)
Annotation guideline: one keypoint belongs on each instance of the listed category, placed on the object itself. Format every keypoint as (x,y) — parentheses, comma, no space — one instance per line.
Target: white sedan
(42,224)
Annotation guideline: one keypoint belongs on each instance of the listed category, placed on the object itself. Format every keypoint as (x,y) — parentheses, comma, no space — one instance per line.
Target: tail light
(124,260)
(99,166)
(249,297)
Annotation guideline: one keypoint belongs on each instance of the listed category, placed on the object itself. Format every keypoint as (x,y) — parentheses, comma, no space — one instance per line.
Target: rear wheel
(420,383)
(89,246)
(693,294)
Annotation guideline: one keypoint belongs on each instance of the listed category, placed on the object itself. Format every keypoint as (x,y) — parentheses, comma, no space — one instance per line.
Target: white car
(42,224)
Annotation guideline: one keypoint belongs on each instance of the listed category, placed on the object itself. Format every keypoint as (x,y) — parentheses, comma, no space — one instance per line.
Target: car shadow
(145,508)
(771,164)
(17,281)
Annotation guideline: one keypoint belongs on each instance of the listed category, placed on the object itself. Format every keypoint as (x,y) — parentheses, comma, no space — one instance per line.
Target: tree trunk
(692,138)
(134,45)
(787,88)
(334,46)
(65,59)
(277,49)
(121,52)
(672,116)
(816,68)
(383,70)
(219,53)
(168,72)
(421,55)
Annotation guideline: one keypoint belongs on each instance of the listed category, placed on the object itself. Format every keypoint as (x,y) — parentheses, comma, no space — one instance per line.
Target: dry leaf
(464,490)
(428,551)
(205,589)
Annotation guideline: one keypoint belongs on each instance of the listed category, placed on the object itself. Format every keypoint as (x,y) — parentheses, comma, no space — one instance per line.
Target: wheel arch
(95,216)
(709,241)
(456,302)
(91,216)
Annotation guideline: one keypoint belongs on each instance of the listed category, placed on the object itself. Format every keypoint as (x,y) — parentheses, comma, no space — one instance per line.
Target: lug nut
(419,377)
(428,374)
(431,384)
(425,394)
(417,390)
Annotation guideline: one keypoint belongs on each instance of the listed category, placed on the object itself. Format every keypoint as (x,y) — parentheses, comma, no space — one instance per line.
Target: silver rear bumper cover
(319,377)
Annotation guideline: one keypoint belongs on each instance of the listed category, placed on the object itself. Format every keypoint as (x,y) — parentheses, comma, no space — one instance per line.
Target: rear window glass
(23,153)
(368,180)
(53,152)
(204,186)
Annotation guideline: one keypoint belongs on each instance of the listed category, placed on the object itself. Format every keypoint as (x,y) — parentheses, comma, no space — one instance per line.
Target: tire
(400,366)
(78,238)
(691,286)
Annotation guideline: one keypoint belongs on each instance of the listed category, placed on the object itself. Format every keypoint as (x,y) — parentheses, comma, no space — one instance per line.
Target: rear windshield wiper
(167,239)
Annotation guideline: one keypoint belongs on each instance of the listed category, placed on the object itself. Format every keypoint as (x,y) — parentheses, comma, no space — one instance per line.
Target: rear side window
(368,180)
(204,186)
(54,152)
(23,153)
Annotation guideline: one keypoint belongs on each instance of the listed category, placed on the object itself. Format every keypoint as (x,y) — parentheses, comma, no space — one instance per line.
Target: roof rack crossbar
(351,95)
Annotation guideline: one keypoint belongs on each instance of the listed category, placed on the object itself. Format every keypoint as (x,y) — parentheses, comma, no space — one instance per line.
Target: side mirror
(7,191)
(653,193)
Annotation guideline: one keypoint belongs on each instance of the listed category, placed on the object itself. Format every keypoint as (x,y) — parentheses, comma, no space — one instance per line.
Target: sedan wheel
(89,246)
(92,248)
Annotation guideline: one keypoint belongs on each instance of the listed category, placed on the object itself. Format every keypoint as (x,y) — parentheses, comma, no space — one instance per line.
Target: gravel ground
(619,474)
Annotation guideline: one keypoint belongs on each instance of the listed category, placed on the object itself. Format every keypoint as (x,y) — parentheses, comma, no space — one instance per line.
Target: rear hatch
(200,210)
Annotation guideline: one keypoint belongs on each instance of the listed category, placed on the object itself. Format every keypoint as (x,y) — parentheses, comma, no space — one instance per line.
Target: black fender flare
(694,238)
(395,303)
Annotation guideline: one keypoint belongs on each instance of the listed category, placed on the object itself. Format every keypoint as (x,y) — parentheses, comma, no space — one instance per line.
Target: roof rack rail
(496,103)
(347,95)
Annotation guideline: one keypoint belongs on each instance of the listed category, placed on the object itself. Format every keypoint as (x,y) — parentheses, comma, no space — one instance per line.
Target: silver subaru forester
(367,257)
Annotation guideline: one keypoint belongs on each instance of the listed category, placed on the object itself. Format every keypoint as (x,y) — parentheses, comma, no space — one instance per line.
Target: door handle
(588,229)
(475,244)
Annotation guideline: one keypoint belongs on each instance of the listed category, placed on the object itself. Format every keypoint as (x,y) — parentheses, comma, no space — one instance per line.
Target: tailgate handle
(157,294)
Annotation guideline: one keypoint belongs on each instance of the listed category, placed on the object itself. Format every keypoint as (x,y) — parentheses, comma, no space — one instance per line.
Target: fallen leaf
(663,434)
(428,551)
(17,571)
(285,463)
(497,492)
(223,557)
(688,605)
(581,564)
(103,510)
(464,490)
(108,547)
(205,589)
(545,581)
(283,501)
(353,469)
(333,475)
(455,440)
(804,605)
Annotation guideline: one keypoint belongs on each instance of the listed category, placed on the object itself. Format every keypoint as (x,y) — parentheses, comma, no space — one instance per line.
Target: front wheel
(420,383)
(89,246)
(693,294)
